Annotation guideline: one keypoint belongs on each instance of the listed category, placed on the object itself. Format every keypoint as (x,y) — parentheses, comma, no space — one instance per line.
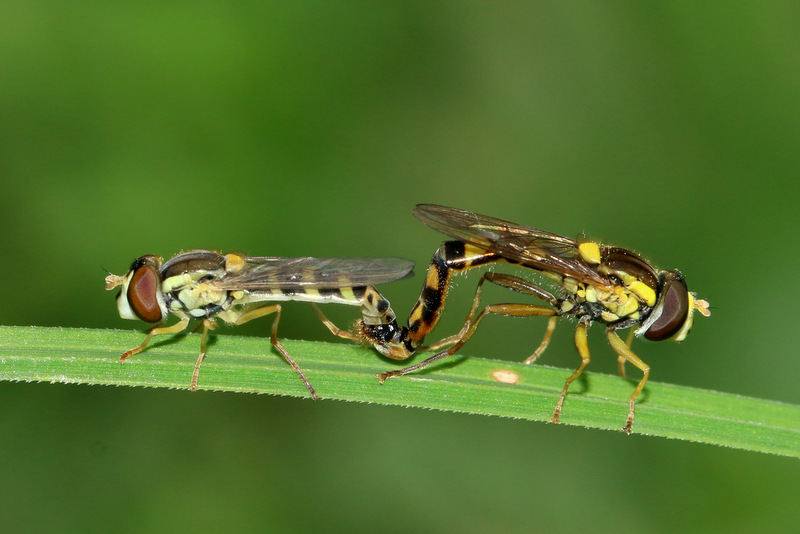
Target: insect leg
(582,343)
(174,329)
(551,325)
(335,330)
(520,285)
(511,310)
(513,283)
(207,325)
(624,352)
(621,359)
(276,309)
(451,257)
(476,300)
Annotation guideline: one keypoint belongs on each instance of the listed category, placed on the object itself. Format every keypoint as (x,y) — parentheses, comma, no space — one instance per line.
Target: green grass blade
(347,372)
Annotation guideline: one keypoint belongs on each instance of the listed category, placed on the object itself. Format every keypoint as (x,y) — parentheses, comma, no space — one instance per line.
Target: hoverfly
(206,285)
(596,283)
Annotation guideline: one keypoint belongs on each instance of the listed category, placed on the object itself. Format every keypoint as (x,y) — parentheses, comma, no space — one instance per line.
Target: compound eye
(674,311)
(143,294)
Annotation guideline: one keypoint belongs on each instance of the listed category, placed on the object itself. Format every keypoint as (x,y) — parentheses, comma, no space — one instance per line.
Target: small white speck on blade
(506,377)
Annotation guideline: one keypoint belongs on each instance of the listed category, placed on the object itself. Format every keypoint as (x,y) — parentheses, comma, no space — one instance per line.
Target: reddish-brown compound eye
(143,294)
(675,310)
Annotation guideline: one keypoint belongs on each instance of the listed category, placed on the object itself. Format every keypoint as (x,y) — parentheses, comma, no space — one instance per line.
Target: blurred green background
(313,128)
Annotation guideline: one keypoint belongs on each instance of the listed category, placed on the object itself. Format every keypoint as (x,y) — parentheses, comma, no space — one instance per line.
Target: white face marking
(687,325)
(123,306)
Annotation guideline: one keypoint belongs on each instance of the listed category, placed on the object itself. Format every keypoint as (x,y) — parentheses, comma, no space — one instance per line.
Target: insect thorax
(610,305)
(189,293)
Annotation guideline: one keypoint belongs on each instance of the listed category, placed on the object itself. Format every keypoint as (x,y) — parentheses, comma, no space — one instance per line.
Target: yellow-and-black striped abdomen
(451,257)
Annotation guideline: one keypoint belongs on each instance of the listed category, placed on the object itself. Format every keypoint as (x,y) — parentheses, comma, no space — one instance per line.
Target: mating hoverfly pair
(594,282)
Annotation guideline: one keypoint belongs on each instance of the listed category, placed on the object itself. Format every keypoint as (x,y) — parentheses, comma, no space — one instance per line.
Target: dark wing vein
(530,247)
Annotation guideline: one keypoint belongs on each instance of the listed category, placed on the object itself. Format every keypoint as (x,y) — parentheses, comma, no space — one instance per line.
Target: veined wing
(530,247)
(319,273)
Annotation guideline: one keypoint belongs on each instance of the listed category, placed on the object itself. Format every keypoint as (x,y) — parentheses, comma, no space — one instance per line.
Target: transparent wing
(530,247)
(320,273)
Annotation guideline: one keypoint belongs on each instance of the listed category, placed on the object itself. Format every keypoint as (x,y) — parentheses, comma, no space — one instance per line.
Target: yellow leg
(512,310)
(513,283)
(551,325)
(620,359)
(449,340)
(276,309)
(335,330)
(207,325)
(624,352)
(476,301)
(174,329)
(582,343)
